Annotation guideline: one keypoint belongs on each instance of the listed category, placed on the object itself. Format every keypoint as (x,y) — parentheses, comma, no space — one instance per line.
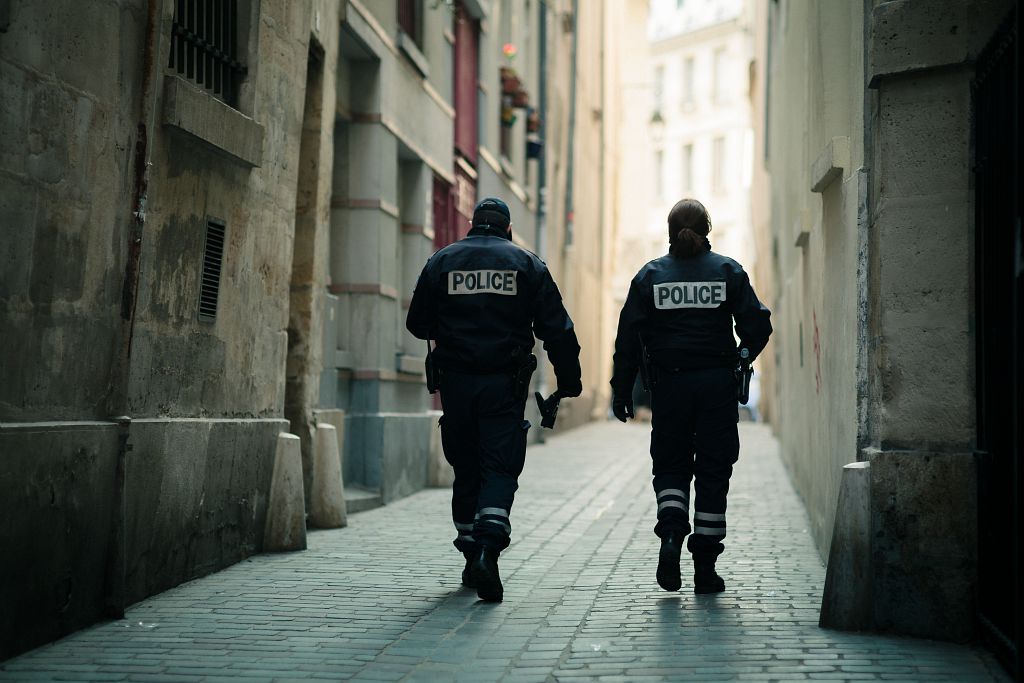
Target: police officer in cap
(481,300)
(678,320)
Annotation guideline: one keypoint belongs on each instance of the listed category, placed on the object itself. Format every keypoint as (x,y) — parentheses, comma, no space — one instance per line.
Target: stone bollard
(327,509)
(286,508)
(846,601)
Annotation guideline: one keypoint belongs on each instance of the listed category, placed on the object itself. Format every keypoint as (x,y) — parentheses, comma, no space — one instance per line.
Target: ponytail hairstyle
(688,228)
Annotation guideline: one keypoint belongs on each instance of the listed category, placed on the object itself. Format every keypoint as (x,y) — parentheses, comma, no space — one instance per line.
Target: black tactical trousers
(694,436)
(484,438)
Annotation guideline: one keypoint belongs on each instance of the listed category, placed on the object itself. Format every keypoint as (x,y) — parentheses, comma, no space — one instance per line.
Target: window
(410,19)
(445,226)
(204,46)
(688,82)
(721,75)
(659,174)
(718,165)
(466,86)
(687,162)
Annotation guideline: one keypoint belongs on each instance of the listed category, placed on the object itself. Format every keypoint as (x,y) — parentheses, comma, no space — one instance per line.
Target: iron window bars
(204,45)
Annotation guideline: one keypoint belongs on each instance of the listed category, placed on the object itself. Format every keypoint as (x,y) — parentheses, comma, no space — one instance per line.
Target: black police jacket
(482,299)
(683,308)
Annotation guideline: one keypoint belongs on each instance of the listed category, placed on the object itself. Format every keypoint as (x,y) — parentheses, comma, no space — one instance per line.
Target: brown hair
(688,227)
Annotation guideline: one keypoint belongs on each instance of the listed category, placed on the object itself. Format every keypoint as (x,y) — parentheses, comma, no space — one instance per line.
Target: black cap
(491,212)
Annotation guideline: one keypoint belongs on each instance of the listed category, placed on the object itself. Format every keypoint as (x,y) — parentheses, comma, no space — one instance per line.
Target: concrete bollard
(327,508)
(286,509)
(846,602)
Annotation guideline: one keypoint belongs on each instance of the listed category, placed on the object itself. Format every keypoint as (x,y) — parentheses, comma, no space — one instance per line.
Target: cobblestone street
(381,599)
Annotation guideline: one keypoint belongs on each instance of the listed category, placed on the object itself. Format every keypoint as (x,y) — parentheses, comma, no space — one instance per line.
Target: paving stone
(371,602)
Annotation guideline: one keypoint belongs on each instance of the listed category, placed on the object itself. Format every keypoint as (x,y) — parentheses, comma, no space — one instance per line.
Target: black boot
(467,573)
(668,561)
(705,579)
(484,572)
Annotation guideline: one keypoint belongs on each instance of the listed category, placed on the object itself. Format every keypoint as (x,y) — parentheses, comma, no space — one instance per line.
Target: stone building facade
(877,219)
(200,251)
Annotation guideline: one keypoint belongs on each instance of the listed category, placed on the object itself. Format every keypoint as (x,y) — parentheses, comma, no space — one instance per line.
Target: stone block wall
(111,167)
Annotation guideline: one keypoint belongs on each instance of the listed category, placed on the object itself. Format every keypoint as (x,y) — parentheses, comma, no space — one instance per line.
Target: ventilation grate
(213,259)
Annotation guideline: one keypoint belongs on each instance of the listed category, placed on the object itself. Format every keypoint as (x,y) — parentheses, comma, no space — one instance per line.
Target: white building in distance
(698,136)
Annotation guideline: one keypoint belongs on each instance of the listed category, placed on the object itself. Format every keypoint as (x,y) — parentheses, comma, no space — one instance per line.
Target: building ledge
(830,163)
(408,364)
(412,52)
(209,120)
(907,37)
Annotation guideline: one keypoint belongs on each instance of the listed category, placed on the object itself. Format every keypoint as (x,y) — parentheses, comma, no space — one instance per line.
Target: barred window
(410,19)
(205,45)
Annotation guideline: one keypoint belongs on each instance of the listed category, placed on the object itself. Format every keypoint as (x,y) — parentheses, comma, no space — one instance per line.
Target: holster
(433,372)
(647,375)
(522,372)
(743,374)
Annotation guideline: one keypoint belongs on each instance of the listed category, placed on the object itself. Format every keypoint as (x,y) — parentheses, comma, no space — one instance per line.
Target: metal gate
(999,304)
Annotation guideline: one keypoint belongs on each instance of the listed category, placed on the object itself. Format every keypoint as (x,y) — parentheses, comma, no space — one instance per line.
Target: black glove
(570,388)
(623,408)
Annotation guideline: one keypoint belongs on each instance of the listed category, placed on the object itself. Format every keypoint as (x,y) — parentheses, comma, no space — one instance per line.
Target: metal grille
(408,14)
(204,46)
(213,259)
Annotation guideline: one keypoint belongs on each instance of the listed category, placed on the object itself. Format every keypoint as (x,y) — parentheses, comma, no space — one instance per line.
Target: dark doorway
(1000,375)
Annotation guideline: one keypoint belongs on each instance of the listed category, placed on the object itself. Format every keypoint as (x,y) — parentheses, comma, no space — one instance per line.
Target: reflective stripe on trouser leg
(495,516)
(708,533)
(465,535)
(673,511)
(709,524)
(669,499)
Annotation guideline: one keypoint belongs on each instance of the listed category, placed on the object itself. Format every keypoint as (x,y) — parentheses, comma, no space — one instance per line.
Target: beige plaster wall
(815,94)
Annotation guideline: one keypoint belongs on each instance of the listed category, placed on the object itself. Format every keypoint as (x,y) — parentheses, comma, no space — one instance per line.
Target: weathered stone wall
(105,177)
(57,511)
(919,407)
(875,304)
(69,129)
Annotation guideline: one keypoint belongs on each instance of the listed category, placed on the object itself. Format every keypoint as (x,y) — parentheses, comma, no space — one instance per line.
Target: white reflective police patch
(482,282)
(689,295)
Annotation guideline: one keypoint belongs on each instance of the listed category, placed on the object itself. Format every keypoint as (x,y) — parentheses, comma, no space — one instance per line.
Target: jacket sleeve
(422,315)
(753,319)
(632,321)
(553,326)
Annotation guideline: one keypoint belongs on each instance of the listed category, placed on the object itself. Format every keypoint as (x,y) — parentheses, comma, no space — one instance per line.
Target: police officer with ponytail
(678,322)
(481,300)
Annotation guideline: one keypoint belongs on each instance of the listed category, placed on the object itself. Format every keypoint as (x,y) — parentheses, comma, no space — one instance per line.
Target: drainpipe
(542,167)
(117,400)
(542,105)
(569,207)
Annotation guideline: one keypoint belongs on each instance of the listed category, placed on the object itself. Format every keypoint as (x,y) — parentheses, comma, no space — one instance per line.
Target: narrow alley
(381,599)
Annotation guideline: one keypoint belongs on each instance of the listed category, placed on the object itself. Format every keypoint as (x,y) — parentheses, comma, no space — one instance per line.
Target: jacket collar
(488,231)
